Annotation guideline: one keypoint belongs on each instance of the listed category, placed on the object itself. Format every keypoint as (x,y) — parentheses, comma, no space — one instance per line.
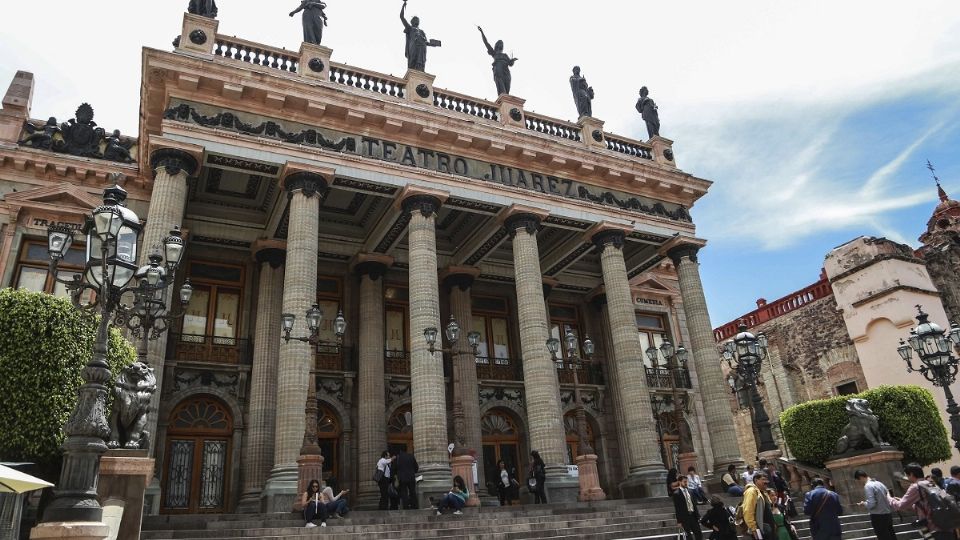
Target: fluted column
(599,302)
(713,389)
(426,369)
(645,469)
(544,413)
(371,413)
(258,444)
(304,190)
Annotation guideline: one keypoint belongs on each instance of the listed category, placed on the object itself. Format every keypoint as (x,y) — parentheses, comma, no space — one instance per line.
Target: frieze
(591,399)
(644,267)
(395,391)
(486,247)
(510,395)
(185,379)
(423,158)
(568,260)
(243,164)
(472,205)
(221,242)
(646,237)
(330,389)
(364,186)
(575,288)
(493,277)
(567,222)
(398,227)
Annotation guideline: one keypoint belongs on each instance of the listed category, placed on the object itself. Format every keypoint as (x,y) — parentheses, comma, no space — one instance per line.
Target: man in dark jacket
(407,468)
(686,509)
(823,507)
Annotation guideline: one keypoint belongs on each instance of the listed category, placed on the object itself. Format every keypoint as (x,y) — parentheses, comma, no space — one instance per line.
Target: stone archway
(500,431)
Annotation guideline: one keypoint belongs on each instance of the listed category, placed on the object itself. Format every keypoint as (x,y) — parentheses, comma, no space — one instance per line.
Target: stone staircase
(646,519)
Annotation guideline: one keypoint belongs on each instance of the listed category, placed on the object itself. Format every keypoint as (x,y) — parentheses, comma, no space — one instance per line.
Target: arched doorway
(671,432)
(329,430)
(501,440)
(400,430)
(198,456)
(573,439)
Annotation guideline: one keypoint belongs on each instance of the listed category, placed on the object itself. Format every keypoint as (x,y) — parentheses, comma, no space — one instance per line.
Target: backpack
(942,507)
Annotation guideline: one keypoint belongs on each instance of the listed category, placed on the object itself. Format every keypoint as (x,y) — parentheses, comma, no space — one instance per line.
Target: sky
(813,119)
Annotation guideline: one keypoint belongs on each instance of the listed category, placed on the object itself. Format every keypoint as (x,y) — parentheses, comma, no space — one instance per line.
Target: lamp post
(658,404)
(575,364)
(745,354)
(314,317)
(938,365)
(452,333)
(675,360)
(112,244)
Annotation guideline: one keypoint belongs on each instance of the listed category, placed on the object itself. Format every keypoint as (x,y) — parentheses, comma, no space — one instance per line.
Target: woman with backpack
(923,496)
(720,520)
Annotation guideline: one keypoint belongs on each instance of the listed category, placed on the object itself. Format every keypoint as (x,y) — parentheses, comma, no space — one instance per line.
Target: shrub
(44,345)
(908,416)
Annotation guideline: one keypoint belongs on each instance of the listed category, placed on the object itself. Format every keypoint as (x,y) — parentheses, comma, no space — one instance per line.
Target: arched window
(197,457)
(501,440)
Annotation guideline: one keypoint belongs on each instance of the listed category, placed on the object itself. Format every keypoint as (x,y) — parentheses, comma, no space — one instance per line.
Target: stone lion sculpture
(131,402)
(862,430)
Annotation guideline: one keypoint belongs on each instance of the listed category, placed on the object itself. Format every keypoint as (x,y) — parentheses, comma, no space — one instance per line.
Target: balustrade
(396,362)
(591,373)
(256,54)
(660,378)
(466,105)
(628,147)
(553,127)
(365,80)
(333,358)
(772,310)
(198,348)
(499,369)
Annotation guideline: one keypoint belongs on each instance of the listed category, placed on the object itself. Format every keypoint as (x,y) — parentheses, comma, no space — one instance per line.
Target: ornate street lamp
(675,363)
(575,364)
(314,316)
(745,355)
(452,333)
(112,243)
(938,365)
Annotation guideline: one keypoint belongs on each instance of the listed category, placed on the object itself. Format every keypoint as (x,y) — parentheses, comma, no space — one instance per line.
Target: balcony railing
(255,53)
(460,103)
(499,369)
(588,374)
(197,348)
(396,362)
(551,126)
(660,378)
(367,80)
(772,310)
(333,358)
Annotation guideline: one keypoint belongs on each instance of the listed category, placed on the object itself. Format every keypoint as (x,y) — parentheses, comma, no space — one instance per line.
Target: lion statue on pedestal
(862,430)
(131,402)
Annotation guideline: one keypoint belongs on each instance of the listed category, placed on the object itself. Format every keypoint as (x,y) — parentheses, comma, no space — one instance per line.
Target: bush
(44,345)
(908,416)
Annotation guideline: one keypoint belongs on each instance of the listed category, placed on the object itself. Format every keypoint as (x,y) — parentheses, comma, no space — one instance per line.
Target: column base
(437,481)
(590,489)
(463,466)
(560,486)
(644,483)
(249,503)
(280,491)
(74,530)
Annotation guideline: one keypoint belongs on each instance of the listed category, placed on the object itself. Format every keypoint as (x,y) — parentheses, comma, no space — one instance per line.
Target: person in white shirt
(695,485)
(384,467)
(748,475)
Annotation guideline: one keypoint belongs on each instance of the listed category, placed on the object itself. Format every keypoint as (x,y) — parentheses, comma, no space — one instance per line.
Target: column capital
(529,222)
(678,252)
(306,182)
(609,237)
(273,256)
(461,277)
(373,265)
(174,160)
(427,205)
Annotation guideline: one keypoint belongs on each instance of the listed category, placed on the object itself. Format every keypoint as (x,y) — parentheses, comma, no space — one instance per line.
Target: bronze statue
(41,138)
(862,430)
(314,19)
(417,41)
(582,93)
(648,111)
(117,149)
(131,402)
(204,8)
(501,64)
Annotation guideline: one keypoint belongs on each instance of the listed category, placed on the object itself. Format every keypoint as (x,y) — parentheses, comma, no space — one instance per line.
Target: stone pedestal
(662,150)
(511,110)
(462,466)
(74,530)
(419,86)
(198,35)
(882,465)
(315,61)
(309,467)
(16,108)
(591,127)
(124,475)
(590,489)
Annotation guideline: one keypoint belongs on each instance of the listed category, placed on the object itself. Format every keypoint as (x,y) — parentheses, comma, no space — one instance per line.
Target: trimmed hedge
(908,416)
(44,345)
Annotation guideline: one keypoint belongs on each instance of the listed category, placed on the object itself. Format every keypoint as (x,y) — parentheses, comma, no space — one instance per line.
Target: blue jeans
(338,507)
(450,501)
(736,491)
(314,509)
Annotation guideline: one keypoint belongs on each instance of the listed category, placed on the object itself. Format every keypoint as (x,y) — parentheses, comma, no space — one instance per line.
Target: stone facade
(350,190)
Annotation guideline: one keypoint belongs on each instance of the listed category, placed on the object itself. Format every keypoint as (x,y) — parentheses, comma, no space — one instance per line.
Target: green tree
(44,345)
(908,416)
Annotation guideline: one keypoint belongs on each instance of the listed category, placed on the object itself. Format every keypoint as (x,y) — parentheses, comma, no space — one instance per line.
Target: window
(397,338)
(651,330)
(214,308)
(34,261)
(490,319)
(847,389)
(328,298)
(563,318)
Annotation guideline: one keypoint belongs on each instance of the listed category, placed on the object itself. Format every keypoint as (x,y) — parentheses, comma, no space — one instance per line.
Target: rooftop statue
(204,8)
(648,111)
(417,41)
(314,19)
(582,93)
(501,64)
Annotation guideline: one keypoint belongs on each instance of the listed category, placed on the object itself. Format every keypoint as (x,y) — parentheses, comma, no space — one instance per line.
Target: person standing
(407,469)
(823,507)
(720,520)
(913,499)
(503,487)
(758,509)
(686,510)
(876,500)
(952,484)
(383,468)
(538,473)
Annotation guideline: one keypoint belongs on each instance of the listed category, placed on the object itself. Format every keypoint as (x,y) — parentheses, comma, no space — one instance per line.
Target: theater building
(298,180)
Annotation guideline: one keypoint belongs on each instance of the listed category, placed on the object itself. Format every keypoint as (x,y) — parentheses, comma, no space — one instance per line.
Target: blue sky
(814,119)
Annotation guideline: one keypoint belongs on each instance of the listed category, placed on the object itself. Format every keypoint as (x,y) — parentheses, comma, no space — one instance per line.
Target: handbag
(377,476)
(532,484)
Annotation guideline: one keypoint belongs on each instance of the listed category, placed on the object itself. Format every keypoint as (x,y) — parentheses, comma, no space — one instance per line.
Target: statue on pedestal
(501,64)
(862,430)
(314,19)
(417,42)
(204,8)
(582,93)
(131,402)
(648,111)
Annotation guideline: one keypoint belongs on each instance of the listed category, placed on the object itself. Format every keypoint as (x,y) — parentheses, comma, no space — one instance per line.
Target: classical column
(645,472)
(258,444)
(426,369)
(304,190)
(713,389)
(371,406)
(544,413)
(599,303)
(466,402)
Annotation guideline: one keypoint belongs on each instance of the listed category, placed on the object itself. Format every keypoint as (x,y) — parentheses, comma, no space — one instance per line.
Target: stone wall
(944,267)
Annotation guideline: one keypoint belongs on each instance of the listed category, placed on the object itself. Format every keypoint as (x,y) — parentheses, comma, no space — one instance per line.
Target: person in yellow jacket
(757,509)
